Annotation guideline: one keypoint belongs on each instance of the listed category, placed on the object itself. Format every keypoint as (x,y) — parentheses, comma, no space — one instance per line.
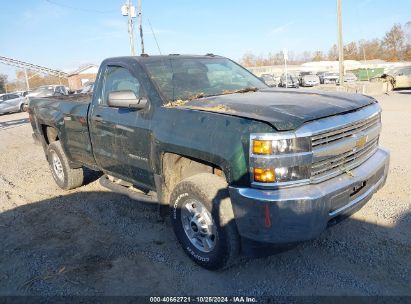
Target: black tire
(65,177)
(22,107)
(212,192)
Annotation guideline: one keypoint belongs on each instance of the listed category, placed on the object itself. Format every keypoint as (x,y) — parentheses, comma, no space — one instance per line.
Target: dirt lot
(93,242)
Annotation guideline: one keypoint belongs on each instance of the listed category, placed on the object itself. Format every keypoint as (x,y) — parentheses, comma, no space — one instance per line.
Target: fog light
(262,147)
(264,175)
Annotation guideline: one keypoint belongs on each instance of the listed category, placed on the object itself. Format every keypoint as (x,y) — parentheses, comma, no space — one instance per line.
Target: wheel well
(176,167)
(50,134)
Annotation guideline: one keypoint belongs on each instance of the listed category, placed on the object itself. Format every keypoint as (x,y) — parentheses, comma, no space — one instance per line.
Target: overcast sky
(64,34)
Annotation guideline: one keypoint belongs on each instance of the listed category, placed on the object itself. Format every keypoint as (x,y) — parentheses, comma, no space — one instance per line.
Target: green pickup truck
(237,164)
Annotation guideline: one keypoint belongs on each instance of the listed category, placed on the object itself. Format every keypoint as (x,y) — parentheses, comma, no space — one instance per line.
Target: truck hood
(283,109)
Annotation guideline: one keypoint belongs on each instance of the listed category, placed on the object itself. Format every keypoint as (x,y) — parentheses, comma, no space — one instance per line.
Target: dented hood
(283,109)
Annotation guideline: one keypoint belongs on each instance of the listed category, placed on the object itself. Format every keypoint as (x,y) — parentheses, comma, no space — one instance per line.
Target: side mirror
(126,99)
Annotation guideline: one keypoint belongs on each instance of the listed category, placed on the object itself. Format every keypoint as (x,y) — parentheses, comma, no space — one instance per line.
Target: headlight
(280,146)
(277,159)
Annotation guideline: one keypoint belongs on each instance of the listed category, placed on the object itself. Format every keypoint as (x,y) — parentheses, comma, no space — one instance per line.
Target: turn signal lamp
(264,175)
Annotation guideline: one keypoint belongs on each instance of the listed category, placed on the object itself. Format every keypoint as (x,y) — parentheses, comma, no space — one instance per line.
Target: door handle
(98,118)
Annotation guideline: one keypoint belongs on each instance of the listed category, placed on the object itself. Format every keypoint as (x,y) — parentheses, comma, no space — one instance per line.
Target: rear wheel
(203,220)
(64,176)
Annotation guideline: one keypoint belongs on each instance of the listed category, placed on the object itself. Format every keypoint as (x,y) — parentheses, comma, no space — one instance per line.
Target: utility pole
(285,54)
(140,17)
(27,80)
(130,11)
(365,61)
(340,43)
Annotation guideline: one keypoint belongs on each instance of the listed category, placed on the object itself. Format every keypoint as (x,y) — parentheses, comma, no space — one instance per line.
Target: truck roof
(151,58)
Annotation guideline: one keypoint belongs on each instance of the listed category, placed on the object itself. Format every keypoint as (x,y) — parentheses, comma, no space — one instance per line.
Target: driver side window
(119,79)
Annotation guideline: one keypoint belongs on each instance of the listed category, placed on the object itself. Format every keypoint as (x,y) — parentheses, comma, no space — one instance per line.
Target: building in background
(81,76)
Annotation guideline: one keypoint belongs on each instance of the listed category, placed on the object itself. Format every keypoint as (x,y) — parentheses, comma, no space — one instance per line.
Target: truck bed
(69,116)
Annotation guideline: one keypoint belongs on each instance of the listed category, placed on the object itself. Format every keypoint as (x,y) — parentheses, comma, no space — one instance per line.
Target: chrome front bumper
(301,213)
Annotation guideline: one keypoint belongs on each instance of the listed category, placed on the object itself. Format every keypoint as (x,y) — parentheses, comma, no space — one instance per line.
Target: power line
(31,66)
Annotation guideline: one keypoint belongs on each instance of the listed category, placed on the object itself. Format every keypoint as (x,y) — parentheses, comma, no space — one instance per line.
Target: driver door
(121,136)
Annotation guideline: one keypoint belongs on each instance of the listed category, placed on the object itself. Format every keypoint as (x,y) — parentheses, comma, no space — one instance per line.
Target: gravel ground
(90,241)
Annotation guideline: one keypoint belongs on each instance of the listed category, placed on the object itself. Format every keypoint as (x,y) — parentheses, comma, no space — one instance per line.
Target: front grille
(333,165)
(345,132)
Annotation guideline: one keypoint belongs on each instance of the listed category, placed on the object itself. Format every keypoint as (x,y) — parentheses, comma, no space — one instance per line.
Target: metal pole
(365,61)
(27,80)
(340,43)
(286,73)
(141,26)
(130,28)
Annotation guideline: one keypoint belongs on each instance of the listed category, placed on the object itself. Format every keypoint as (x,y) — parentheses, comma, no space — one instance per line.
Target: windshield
(289,77)
(189,78)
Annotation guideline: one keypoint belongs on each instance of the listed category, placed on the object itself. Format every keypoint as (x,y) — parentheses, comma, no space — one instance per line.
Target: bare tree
(318,56)
(394,43)
(333,53)
(351,51)
(248,59)
(3,82)
(407,31)
(371,48)
(307,56)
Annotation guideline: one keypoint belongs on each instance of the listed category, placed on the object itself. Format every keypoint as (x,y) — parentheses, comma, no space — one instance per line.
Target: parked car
(310,80)
(234,163)
(321,76)
(269,80)
(46,91)
(10,103)
(349,77)
(402,78)
(399,79)
(330,78)
(21,93)
(87,88)
(292,81)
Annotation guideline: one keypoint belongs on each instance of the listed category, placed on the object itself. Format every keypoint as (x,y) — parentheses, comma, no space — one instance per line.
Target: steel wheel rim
(57,166)
(198,225)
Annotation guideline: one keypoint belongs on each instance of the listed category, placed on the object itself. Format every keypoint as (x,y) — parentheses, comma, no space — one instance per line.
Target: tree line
(395,45)
(35,80)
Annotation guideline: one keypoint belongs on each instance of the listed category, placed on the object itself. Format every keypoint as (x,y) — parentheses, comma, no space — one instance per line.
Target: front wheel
(64,176)
(203,220)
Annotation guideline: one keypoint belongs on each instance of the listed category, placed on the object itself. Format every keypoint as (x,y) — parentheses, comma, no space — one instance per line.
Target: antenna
(140,17)
(154,35)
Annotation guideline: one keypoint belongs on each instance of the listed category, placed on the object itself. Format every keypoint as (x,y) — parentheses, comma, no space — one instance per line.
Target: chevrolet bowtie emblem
(361,142)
